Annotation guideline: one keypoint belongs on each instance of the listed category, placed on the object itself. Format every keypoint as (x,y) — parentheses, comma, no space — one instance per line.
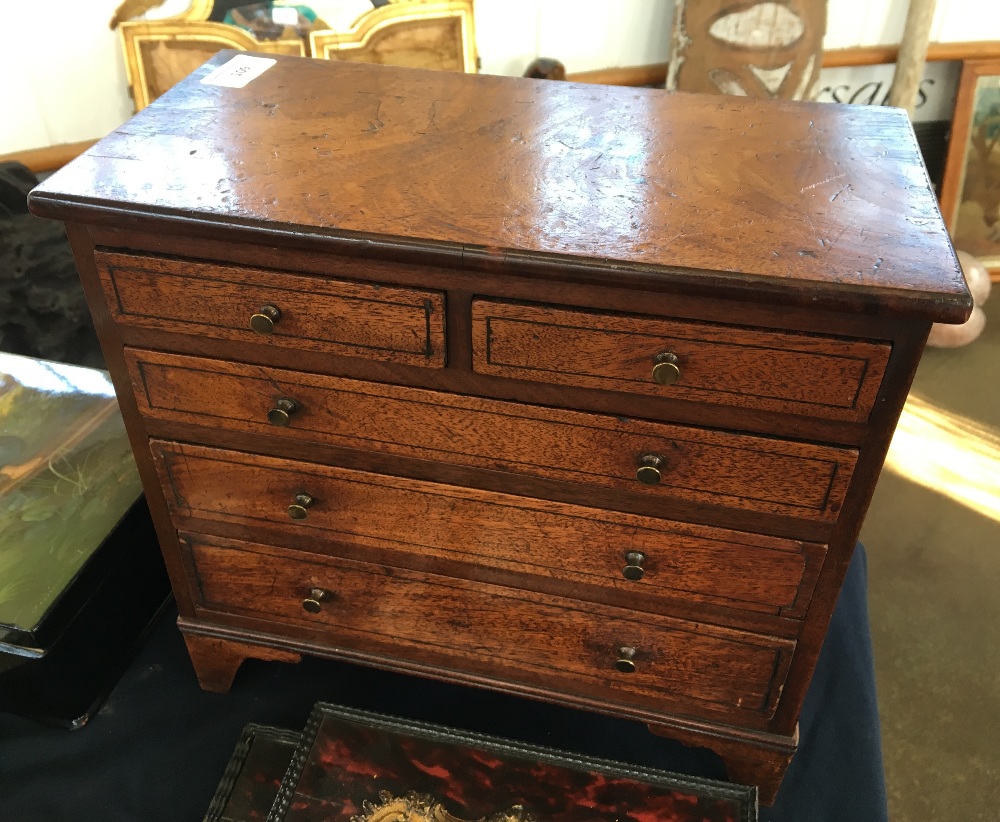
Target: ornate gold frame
(424,808)
(358,37)
(191,25)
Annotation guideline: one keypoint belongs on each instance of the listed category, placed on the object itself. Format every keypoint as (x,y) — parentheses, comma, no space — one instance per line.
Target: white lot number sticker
(285,16)
(239,71)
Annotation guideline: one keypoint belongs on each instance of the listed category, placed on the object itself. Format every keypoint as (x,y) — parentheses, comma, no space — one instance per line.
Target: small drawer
(778,371)
(251,305)
(578,648)
(670,462)
(623,554)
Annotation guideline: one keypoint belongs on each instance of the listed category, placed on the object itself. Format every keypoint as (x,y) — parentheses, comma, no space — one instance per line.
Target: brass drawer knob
(314,602)
(625,662)
(666,370)
(633,569)
(263,321)
(648,472)
(297,510)
(282,412)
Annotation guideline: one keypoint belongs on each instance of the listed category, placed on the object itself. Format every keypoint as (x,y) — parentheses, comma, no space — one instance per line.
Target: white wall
(880,22)
(66,86)
(71,87)
(583,34)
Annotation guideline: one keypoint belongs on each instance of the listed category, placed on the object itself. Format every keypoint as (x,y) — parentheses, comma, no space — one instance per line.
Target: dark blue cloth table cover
(158,747)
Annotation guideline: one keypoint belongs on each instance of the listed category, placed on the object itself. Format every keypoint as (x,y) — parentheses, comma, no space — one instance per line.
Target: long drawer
(737,471)
(594,651)
(623,553)
(251,305)
(751,368)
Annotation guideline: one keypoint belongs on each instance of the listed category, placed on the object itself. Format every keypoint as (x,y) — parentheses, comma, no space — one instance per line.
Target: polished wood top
(805,202)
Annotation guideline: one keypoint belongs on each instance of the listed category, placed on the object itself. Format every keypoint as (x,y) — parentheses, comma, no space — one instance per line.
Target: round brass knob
(648,472)
(282,412)
(263,321)
(624,662)
(666,370)
(633,569)
(314,602)
(297,510)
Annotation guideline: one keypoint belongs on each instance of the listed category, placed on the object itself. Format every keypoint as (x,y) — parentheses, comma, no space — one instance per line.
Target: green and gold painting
(67,477)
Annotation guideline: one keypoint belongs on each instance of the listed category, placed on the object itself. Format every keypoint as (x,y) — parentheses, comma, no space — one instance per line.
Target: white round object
(976,276)
(952,336)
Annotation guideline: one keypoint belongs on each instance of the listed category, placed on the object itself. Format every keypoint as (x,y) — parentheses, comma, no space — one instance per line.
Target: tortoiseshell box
(254,774)
(365,767)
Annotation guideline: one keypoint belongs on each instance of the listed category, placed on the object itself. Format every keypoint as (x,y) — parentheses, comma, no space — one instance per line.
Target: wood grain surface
(484,529)
(726,364)
(475,274)
(818,199)
(216,661)
(733,470)
(460,287)
(492,628)
(217,301)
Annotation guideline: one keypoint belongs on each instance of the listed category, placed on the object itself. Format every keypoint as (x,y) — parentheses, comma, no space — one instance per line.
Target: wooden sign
(767,50)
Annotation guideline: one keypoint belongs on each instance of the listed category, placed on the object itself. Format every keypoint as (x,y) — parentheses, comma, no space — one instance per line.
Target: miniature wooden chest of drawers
(575,392)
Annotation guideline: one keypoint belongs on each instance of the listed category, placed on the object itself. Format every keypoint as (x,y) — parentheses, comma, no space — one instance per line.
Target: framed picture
(970,189)
(67,478)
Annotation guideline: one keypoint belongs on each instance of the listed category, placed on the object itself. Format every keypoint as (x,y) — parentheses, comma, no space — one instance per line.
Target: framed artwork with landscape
(970,190)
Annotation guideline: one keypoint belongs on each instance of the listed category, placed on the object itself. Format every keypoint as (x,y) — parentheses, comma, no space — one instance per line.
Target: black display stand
(159,746)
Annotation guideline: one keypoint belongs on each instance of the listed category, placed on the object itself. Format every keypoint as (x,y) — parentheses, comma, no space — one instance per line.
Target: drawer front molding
(483,528)
(380,322)
(528,637)
(736,471)
(778,371)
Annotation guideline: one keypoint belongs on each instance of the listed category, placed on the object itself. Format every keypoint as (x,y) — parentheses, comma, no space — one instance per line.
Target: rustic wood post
(912,55)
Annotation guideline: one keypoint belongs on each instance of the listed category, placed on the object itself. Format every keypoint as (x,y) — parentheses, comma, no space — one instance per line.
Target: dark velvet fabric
(159,746)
